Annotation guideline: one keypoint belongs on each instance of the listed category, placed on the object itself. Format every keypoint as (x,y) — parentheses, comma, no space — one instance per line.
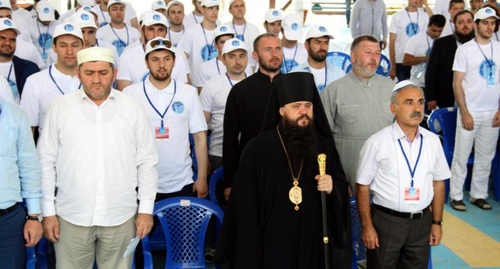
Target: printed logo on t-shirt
(103,24)
(120,46)
(145,76)
(288,65)
(321,88)
(411,29)
(240,37)
(487,69)
(178,107)
(208,52)
(45,41)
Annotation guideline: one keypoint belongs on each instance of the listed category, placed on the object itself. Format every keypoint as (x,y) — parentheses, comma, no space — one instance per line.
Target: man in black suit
(439,73)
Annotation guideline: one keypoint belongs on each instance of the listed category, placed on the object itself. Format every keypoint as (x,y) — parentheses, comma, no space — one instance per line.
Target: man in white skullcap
(98,145)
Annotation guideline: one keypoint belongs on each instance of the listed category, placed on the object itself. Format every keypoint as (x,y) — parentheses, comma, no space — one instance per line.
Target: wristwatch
(436,222)
(37,218)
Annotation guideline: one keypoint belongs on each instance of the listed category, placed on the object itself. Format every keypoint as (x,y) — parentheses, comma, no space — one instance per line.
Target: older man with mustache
(356,105)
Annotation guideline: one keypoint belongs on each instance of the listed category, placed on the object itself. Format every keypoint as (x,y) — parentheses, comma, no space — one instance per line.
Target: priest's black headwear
(295,87)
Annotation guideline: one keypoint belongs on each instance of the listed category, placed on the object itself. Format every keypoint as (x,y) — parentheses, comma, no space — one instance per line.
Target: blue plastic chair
(340,60)
(384,67)
(446,119)
(194,164)
(217,176)
(184,221)
(31,258)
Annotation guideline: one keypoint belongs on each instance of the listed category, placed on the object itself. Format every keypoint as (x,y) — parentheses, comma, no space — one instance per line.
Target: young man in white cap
(272,22)
(244,30)
(131,65)
(216,67)
(79,5)
(294,53)
(104,18)
(214,95)
(42,30)
(21,23)
(198,41)
(477,92)
(105,186)
(117,32)
(175,16)
(42,88)
(403,166)
(195,17)
(160,6)
(317,42)
(13,68)
(174,111)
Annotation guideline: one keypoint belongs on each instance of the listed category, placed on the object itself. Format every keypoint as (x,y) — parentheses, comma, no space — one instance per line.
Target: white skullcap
(95,54)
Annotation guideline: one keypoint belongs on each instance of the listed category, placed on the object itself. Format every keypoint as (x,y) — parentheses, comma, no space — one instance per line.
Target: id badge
(412,195)
(162,132)
(45,55)
(491,82)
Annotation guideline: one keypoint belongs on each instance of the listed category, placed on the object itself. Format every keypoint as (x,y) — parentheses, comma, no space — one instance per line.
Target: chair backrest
(216,178)
(385,66)
(339,59)
(359,250)
(30,258)
(446,119)
(184,221)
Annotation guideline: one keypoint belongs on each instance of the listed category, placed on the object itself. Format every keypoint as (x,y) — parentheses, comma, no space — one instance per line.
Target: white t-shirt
(175,37)
(419,45)
(22,25)
(213,99)
(42,39)
(448,29)
(23,13)
(198,43)
(5,91)
(104,19)
(40,91)
(120,38)
(8,72)
(470,60)
(246,33)
(191,19)
(132,66)
(214,68)
(382,165)
(293,57)
(28,51)
(404,28)
(184,116)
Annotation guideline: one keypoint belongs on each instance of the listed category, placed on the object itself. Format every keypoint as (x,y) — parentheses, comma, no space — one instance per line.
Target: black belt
(406,215)
(6,211)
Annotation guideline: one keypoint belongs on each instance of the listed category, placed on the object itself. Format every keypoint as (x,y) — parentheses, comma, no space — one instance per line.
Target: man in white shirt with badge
(404,166)
(42,30)
(477,92)
(174,111)
(99,152)
(104,19)
(317,42)
(117,32)
(42,88)
(294,52)
(419,48)
(198,41)
(214,95)
(131,65)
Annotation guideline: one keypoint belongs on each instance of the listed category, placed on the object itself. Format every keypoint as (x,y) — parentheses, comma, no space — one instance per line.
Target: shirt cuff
(146,206)
(33,205)
(48,209)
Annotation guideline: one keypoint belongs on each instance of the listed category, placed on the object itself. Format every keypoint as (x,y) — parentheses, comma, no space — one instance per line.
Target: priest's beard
(300,143)
(463,38)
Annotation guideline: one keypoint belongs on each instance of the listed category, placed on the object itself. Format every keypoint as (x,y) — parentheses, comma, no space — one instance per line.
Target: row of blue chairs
(343,61)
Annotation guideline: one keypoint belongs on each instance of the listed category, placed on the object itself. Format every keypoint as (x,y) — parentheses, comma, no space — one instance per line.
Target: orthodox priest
(274,217)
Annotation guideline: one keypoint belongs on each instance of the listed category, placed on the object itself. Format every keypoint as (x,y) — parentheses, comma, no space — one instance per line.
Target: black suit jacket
(439,72)
(23,69)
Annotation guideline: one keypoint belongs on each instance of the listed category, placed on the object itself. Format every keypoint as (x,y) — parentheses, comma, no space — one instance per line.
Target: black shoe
(458,205)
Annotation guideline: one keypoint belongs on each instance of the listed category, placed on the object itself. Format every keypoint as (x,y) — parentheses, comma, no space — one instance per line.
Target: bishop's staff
(322,169)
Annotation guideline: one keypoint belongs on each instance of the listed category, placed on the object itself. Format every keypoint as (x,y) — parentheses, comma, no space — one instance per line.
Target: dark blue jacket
(23,69)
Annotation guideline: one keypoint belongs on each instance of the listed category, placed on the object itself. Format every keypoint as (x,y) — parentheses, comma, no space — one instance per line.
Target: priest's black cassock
(261,228)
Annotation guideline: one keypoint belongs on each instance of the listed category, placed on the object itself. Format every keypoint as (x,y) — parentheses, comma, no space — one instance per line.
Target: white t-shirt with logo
(405,25)
(120,38)
(293,57)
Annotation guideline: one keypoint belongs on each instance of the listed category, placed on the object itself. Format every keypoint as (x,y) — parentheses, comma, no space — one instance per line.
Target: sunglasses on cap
(161,43)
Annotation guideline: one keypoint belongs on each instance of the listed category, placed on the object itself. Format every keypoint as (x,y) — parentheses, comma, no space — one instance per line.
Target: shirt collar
(151,89)
(84,97)
(399,134)
(356,79)
(58,74)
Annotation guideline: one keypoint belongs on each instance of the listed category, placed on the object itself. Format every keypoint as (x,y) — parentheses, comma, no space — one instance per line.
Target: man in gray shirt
(369,17)
(356,104)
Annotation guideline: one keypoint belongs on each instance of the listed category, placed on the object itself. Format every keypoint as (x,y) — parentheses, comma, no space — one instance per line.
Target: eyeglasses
(160,43)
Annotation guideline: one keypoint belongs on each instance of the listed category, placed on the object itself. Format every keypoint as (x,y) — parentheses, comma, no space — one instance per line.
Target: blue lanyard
(205,34)
(53,80)
(153,106)
(102,13)
(126,29)
(243,34)
(45,37)
(324,85)
(194,17)
(217,64)
(230,82)
(489,62)
(414,29)
(293,59)
(428,43)
(412,171)
(10,71)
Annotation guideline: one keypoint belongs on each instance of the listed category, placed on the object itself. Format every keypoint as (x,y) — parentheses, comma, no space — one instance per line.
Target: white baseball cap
(45,11)
(232,45)
(484,13)
(6,23)
(292,27)
(158,43)
(210,3)
(86,2)
(114,2)
(96,54)
(5,4)
(67,28)
(273,15)
(231,2)
(223,30)
(175,3)
(318,31)
(158,4)
(83,19)
(152,18)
